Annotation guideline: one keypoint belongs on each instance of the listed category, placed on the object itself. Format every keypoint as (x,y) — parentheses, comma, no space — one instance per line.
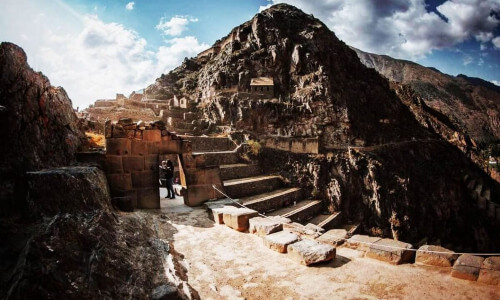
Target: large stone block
(153,147)
(113,164)
(467,267)
(280,241)
(361,242)
(148,198)
(153,135)
(218,213)
(143,179)
(333,237)
(196,195)
(264,226)
(309,252)
(133,163)
(435,256)
(490,271)
(120,181)
(151,162)
(139,147)
(237,218)
(72,190)
(118,146)
(170,147)
(391,251)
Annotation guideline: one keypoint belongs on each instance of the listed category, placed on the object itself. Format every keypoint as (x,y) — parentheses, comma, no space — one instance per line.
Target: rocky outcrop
(463,110)
(387,165)
(61,237)
(40,125)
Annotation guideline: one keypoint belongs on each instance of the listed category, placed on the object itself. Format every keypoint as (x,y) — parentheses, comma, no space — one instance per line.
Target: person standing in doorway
(169,176)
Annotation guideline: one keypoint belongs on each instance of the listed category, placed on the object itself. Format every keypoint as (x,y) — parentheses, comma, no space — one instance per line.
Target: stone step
(352,229)
(219,158)
(207,143)
(327,221)
(301,212)
(234,171)
(243,187)
(273,200)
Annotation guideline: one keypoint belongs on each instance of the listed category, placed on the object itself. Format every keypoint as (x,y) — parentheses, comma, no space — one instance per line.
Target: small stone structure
(294,145)
(263,86)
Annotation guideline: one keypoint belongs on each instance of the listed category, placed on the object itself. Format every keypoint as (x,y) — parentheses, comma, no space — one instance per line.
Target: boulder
(263,226)
(279,241)
(439,256)
(361,242)
(467,267)
(333,237)
(309,252)
(490,271)
(237,218)
(67,189)
(391,251)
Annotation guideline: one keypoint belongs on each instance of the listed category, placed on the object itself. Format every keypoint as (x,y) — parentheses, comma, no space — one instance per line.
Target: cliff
(378,162)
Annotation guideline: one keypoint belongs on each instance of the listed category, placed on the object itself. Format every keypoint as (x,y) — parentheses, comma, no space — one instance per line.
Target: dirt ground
(222,263)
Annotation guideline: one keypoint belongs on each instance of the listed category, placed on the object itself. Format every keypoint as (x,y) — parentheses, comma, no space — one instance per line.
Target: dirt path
(225,264)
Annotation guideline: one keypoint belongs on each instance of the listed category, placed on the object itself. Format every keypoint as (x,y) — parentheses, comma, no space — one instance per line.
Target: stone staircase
(483,195)
(265,193)
(179,120)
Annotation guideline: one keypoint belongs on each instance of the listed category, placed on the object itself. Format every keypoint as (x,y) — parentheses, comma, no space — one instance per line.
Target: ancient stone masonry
(132,160)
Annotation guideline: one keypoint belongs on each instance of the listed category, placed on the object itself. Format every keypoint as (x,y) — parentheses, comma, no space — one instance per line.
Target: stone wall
(132,160)
(294,145)
(104,103)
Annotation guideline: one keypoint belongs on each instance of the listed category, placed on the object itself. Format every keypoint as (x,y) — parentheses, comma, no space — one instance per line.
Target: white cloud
(264,7)
(467,60)
(495,82)
(496,42)
(176,25)
(130,6)
(404,28)
(90,58)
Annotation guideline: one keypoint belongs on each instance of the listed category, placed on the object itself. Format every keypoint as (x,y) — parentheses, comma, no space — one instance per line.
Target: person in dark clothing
(169,176)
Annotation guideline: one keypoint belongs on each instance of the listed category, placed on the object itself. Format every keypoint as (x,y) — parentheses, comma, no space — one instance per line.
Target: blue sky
(97,48)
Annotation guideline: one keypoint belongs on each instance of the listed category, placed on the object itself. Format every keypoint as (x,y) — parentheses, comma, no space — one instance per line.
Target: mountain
(377,162)
(470,106)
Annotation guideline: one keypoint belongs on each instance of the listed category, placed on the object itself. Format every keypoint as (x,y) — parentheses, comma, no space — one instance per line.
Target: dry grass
(95,140)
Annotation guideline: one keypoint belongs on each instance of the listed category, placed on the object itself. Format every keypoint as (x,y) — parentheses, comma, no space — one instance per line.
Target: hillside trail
(222,263)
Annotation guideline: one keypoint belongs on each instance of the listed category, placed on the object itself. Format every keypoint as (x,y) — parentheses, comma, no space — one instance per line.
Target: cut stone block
(333,237)
(213,204)
(279,241)
(309,252)
(391,251)
(143,179)
(490,271)
(139,147)
(264,226)
(118,146)
(435,259)
(113,164)
(151,163)
(218,213)
(148,198)
(120,181)
(467,267)
(133,163)
(151,135)
(361,242)
(237,218)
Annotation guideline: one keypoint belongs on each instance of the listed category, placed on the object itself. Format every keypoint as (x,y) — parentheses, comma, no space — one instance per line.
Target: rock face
(61,237)
(463,110)
(40,126)
(363,129)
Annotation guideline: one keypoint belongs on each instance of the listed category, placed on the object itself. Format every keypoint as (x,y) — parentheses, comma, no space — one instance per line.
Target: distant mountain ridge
(472,104)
